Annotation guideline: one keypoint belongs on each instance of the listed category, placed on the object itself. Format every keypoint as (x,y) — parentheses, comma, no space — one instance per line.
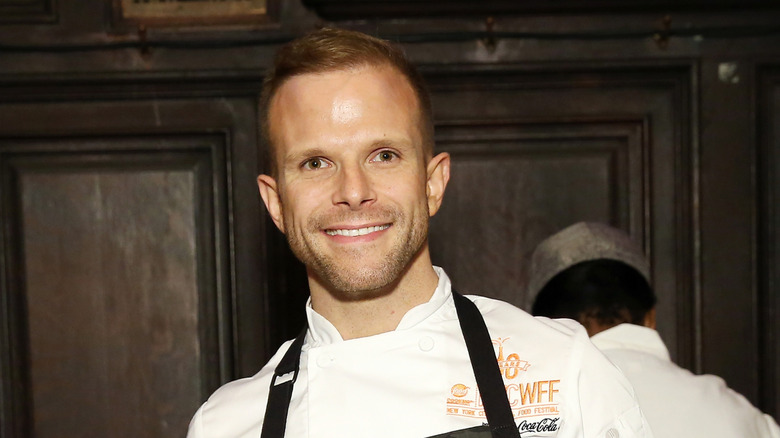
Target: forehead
(338,97)
(372,84)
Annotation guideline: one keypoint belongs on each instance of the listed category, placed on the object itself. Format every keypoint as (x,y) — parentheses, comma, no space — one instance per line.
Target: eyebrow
(383,143)
(302,155)
(386,143)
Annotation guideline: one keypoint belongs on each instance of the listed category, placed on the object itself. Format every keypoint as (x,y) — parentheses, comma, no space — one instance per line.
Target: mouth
(355,232)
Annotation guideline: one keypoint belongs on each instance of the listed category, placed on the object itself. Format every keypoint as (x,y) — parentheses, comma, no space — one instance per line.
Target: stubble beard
(351,274)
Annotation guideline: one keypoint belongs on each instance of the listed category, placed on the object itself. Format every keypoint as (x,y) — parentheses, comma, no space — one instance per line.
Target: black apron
(501,422)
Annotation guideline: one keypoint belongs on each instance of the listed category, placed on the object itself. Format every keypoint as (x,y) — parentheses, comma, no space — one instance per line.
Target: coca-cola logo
(543,425)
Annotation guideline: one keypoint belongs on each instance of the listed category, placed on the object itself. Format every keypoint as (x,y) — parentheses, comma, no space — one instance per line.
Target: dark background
(138,269)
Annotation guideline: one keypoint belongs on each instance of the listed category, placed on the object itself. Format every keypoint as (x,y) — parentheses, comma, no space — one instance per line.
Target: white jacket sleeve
(196,426)
(772,430)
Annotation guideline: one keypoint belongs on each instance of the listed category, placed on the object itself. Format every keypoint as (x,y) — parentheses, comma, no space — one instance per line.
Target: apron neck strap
(486,370)
(285,375)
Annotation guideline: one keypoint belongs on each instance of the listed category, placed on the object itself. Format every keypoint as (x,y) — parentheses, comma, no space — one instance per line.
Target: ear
(649,320)
(270,194)
(438,173)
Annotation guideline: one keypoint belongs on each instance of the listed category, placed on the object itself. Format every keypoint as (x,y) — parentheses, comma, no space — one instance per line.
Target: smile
(357,231)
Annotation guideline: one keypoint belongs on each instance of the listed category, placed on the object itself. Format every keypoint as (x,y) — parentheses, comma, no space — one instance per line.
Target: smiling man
(390,349)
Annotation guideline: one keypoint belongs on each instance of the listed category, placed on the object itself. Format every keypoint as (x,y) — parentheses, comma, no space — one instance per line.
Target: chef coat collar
(631,337)
(322,332)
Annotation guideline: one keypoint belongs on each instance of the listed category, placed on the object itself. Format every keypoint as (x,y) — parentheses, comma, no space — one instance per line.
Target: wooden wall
(138,270)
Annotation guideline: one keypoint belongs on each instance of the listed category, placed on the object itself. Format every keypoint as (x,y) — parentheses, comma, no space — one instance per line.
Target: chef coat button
(426,343)
(325,360)
(612,433)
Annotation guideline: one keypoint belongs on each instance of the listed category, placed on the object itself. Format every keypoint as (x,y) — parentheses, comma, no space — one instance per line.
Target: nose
(355,188)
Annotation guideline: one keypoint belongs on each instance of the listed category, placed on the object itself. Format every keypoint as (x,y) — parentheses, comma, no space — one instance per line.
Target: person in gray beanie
(598,276)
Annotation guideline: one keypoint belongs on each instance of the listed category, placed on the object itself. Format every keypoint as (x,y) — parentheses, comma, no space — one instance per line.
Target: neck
(379,311)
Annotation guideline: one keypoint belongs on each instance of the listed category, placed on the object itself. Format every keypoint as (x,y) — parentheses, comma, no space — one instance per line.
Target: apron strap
(483,364)
(486,370)
(285,375)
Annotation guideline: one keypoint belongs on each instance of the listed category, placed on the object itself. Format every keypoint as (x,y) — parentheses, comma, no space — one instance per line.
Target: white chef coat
(417,381)
(676,402)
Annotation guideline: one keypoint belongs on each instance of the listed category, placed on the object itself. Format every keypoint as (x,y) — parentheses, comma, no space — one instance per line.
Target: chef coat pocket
(471,432)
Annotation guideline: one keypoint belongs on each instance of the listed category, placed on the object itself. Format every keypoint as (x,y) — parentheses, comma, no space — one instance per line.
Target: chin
(361,284)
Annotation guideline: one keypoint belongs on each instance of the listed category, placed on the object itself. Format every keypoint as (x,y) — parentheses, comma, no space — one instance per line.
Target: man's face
(353,191)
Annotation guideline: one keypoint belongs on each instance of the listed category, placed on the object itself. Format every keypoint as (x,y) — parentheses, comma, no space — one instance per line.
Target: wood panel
(26,11)
(535,151)
(728,199)
(769,235)
(114,299)
(595,169)
(125,303)
(217,102)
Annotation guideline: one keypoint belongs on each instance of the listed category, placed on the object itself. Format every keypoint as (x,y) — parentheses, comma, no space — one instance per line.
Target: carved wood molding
(356,9)
(28,12)
(129,86)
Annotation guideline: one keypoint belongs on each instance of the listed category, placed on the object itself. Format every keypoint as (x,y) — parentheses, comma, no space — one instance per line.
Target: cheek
(413,192)
(301,202)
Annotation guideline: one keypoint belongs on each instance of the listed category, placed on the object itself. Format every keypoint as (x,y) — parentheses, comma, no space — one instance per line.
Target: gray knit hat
(581,242)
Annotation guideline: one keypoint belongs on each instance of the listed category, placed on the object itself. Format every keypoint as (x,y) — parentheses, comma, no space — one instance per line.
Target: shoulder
(711,394)
(501,314)
(555,348)
(250,387)
(671,395)
(238,405)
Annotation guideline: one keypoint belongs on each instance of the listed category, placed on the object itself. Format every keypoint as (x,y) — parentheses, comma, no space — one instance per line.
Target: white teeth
(357,232)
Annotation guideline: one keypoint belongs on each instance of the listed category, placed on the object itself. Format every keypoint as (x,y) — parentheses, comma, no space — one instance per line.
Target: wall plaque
(201,12)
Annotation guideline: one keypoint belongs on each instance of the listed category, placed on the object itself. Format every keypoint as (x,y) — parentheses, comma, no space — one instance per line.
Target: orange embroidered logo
(511,365)
(459,390)
(530,400)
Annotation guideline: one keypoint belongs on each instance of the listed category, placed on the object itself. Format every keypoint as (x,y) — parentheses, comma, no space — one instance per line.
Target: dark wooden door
(131,245)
